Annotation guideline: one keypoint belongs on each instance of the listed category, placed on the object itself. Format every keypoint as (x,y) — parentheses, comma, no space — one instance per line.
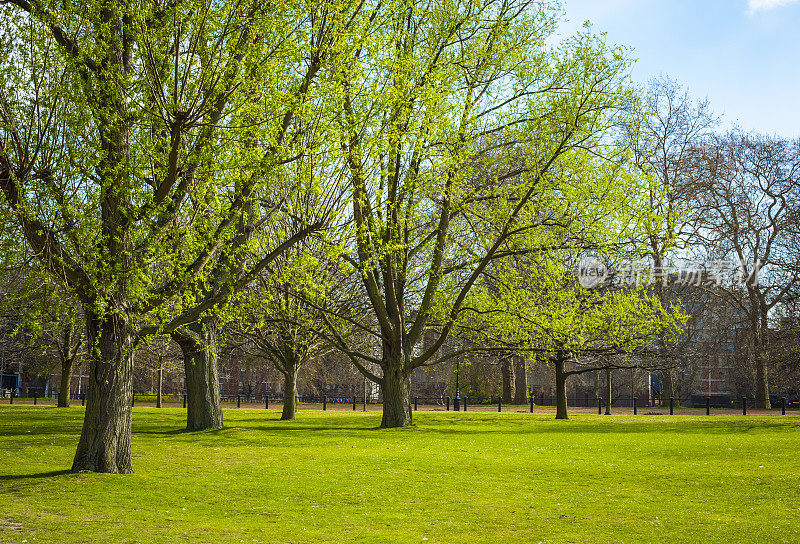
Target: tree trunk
(105,442)
(520,377)
(396,389)
(67,359)
(760,367)
(668,385)
(608,392)
(289,395)
(160,383)
(198,344)
(561,389)
(66,379)
(507,371)
(597,385)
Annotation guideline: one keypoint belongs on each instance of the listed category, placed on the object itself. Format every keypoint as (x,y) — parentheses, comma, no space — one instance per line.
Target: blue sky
(744,55)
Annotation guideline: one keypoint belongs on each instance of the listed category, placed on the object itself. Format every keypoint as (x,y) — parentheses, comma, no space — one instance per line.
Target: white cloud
(764,5)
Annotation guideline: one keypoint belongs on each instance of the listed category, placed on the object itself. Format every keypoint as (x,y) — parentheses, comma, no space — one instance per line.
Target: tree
(280,314)
(156,354)
(43,320)
(438,101)
(748,197)
(131,161)
(663,131)
(539,305)
(508,387)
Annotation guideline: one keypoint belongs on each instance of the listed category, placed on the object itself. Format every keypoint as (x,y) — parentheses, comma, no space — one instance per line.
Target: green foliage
(142,144)
(538,304)
(459,124)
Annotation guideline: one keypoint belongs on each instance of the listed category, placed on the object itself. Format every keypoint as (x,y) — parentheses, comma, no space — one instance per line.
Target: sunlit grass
(454,477)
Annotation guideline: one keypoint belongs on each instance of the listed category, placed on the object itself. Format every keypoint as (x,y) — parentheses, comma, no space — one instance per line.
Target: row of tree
(351,176)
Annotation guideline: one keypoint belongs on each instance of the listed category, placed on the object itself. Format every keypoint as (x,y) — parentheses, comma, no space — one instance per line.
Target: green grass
(454,477)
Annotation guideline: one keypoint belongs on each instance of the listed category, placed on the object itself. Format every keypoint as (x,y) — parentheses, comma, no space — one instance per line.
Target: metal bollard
(671,405)
(34,399)
(11,401)
(415,404)
(708,406)
(465,404)
(83,399)
(500,404)
(634,405)
(744,406)
(531,403)
(354,403)
(448,404)
(599,405)
(238,401)
(324,402)
(783,406)
(266,402)
(184,400)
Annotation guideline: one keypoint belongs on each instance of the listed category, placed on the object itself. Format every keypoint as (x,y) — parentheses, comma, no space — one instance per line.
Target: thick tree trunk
(521,382)
(198,344)
(289,395)
(561,389)
(507,371)
(105,443)
(66,379)
(762,380)
(396,389)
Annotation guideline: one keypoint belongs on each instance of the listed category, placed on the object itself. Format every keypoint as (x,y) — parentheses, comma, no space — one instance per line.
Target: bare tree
(749,192)
(663,131)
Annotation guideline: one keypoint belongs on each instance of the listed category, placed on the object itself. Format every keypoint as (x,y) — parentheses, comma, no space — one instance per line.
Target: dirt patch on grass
(8,525)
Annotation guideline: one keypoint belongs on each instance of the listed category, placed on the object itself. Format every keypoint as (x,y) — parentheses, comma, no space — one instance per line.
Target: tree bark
(198,344)
(668,385)
(608,392)
(760,367)
(561,389)
(396,389)
(507,371)
(289,395)
(160,383)
(520,377)
(66,379)
(67,359)
(597,385)
(105,442)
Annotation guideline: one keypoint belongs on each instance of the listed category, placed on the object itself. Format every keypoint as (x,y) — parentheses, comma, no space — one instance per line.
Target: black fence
(659,406)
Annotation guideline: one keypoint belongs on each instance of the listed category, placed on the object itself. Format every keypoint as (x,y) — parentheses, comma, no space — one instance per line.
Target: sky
(744,55)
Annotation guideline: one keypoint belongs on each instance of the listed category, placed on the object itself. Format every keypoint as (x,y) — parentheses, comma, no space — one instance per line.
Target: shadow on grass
(183,431)
(50,474)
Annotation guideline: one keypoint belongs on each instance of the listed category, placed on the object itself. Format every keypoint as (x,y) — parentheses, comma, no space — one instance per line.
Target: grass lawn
(453,477)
